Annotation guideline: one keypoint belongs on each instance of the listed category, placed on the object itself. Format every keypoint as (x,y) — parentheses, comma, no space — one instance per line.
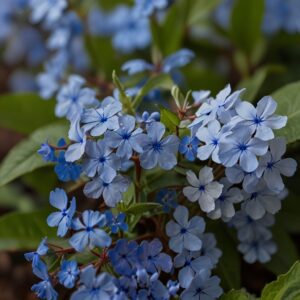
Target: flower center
(157,146)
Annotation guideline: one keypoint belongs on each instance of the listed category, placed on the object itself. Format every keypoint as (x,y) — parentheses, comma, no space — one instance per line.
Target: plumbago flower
(137,166)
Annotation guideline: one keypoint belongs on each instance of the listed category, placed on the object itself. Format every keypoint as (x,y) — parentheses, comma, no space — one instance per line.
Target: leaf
(288,99)
(25,112)
(254,83)
(125,100)
(286,253)
(245,27)
(141,208)
(286,287)
(12,197)
(229,266)
(236,295)
(163,81)
(23,231)
(169,119)
(23,158)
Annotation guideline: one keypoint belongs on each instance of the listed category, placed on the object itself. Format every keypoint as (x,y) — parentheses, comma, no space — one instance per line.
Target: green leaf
(12,197)
(169,119)
(286,253)
(23,158)
(163,81)
(126,101)
(23,231)
(246,22)
(25,112)
(255,82)
(236,295)
(141,208)
(286,287)
(288,99)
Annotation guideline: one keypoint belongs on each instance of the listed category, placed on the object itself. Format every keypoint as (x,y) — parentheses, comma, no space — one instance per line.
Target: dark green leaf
(23,231)
(25,112)
(286,287)
(141,208)
(288,99)
(23,158)
(169,119)
(236,295)
(246,22)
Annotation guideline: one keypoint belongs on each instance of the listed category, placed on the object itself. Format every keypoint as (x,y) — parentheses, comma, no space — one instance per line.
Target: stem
(138,176)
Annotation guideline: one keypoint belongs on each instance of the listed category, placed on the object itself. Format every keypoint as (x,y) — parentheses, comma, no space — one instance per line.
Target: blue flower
(203,189)
(47,152)
(200,96)
(78,136)
(66,171)
(94,287)
(236,174)
(151,258)
(116,223)
(184,234)
(203,287)
(173,287)
(49,10)
(158,150)
(62,219)
(147,7)
(240,146)
(209,248)
(212,136)
(126,139)
(127,288)
(89,234)
(271,165)
(123,257)
(68,273)
(149,118)
(190,264)
(224,205)
(100,160)
(248,228)
(43,289)
(257,249)
(110,187)
(261,120)
(135,66)
(35,256)
(259,199)
(72,98)
(132,31)
(97,121)
(188,147)
(167,198)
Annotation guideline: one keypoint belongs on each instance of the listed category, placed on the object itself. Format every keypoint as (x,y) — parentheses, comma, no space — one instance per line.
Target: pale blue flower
(88,232)
(100,160)
(49,10)
(42,250)
(224,205)
(147,7)
(203,287)
(203,189)
(272,165)
(212,136)
(73,98)
(135,66)
(68,273)
(257,249)
(184,232)
(111,188)
(78,137)
(176,60)
(241,147)
(126,139)
(209,248)
(200,96)
(98,120)
(158,150)
(148,118)
(190,264)
(94,286)
(260,120)
(63,218)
